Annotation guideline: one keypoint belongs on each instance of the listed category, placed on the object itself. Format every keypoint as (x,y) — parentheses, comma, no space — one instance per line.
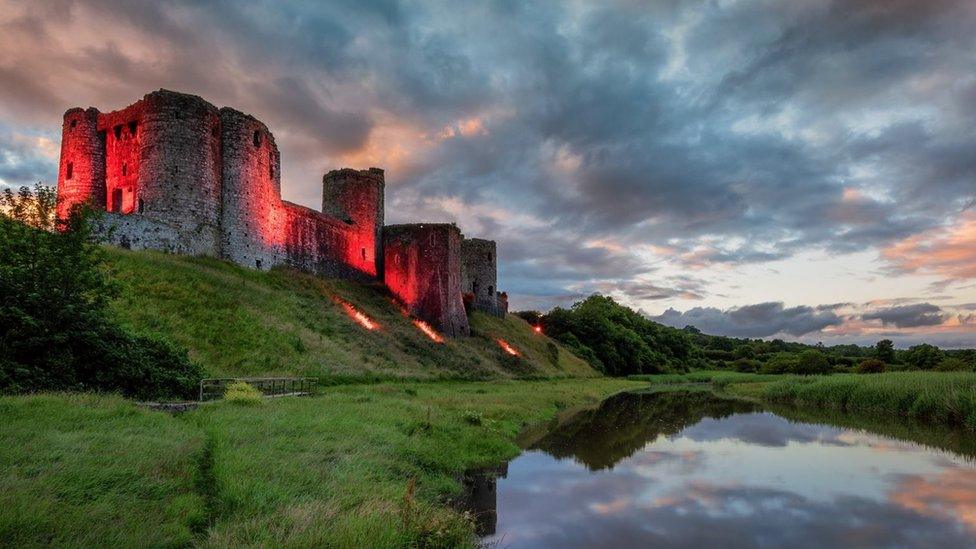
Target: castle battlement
(175,173)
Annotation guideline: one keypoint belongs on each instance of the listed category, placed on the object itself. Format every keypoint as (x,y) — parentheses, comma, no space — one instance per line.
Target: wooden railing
(213,388)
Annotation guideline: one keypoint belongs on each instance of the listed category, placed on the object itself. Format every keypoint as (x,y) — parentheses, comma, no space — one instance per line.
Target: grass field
(359,465)
(241,322)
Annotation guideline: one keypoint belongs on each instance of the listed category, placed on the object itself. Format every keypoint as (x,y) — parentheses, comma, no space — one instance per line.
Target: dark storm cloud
(830,125)
(909,316)
(759,320)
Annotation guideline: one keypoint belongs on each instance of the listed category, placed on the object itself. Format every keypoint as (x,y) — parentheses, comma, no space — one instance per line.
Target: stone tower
(479,274)
(81,176)
(356,197)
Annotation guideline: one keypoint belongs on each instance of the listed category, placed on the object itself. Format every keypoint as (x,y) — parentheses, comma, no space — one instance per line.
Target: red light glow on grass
(357,315)
(506,347)
(537,329)
(429,331)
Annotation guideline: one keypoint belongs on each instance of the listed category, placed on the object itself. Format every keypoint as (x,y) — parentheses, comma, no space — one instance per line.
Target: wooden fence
(213,388)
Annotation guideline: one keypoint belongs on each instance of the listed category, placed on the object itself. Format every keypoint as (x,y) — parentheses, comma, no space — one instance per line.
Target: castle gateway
(174,173)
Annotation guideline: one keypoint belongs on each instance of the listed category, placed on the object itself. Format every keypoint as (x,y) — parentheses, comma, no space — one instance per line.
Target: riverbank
(939,398)
(358,465)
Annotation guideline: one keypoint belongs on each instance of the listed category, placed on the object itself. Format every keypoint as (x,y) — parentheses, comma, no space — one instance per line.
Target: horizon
(811,180)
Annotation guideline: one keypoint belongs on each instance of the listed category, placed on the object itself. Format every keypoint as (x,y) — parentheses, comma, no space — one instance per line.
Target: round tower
(356,197)
(81,176)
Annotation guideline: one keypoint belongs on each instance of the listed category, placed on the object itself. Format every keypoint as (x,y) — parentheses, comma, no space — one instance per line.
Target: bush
(812,362)
(953,364)
(746,365)
(243,393)
(55,330)
(871,366)
(780,363)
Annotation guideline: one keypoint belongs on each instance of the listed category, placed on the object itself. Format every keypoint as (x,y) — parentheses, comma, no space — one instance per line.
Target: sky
(802,169)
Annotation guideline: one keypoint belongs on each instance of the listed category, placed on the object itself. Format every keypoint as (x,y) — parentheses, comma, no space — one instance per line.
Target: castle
(172,172)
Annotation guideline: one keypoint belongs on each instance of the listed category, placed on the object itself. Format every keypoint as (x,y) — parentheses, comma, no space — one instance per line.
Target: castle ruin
(174,173)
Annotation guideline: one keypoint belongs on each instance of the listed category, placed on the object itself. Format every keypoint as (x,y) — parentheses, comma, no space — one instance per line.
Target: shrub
(473,417)
(812,362)
(746,365)
(871,366)
(953,364)
(780,363)
(243,393)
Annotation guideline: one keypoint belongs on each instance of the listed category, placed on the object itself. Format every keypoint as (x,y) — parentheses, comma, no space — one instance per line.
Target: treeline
(56,332)
(620,341)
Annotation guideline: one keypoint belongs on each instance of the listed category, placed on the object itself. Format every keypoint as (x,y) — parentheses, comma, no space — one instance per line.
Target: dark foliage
(871,366)
(55,331)
(620,341)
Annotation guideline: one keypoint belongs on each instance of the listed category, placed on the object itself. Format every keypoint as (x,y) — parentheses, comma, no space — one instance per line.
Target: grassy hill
(241,322)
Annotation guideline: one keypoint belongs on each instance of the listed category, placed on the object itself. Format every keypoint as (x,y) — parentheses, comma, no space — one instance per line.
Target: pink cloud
(949,252)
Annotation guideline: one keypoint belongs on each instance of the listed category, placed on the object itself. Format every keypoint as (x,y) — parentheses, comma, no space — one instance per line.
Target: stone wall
(138,232)
(422,268)
(479,275)
(81,175)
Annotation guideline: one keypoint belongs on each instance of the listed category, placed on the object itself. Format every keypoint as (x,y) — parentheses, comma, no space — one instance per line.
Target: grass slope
(241,322)
(357,466)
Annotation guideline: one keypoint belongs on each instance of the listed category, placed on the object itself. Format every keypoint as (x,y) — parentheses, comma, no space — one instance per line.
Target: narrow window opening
(491,290)
(363,252)
(73,124)
(125,169)
(257,138)
(257,263)
(271,171)
(117,200)
(142,206)
(132,127)
(118,131)
(70,171)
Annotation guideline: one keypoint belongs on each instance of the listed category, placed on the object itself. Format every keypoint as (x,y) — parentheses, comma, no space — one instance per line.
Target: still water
(689,469)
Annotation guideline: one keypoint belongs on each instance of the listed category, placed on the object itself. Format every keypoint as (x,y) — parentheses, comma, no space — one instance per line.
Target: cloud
(832,125)
(759,320)
(909,316)
(949,252)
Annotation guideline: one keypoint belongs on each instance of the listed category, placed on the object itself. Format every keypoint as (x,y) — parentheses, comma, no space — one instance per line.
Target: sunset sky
(803,169)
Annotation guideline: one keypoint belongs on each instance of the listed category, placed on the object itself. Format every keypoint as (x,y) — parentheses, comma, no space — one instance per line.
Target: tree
(884,351)
(55,329)
(812,362)
(780,363)
(924,356)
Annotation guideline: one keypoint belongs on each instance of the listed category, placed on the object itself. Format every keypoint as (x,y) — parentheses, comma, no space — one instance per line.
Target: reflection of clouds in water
(951,493)
(746,479)
(764,429)
(590,513)
(682,462)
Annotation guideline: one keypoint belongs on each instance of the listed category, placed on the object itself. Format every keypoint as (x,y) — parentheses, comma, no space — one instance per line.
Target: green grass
(330,470)
(83,470)
(947,398)
(241,322)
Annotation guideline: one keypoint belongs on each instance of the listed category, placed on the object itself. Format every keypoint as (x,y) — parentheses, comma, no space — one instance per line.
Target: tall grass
(948,398)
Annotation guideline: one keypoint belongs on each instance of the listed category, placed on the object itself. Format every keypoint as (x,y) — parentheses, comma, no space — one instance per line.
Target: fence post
(201,390)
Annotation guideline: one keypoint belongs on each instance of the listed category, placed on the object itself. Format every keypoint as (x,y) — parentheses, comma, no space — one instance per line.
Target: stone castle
(175,173)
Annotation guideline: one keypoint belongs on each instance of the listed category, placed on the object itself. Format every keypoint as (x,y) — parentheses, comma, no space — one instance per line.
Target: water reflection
(690,469)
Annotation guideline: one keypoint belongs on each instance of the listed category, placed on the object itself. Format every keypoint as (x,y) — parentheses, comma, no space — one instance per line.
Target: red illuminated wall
(121,131)
(422,268)
(356,197)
